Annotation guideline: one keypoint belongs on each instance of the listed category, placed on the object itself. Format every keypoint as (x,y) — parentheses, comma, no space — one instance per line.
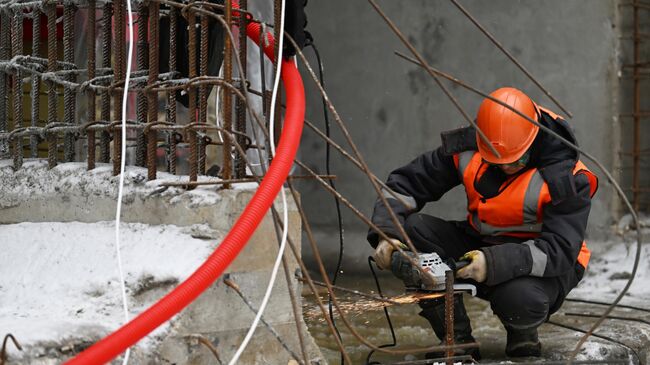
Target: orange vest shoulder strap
(581,168)
(549,112)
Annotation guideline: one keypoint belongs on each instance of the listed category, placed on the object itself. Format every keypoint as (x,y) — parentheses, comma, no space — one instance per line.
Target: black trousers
(522,302)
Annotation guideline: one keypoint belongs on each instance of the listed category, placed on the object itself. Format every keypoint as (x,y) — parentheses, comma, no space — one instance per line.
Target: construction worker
(527,213)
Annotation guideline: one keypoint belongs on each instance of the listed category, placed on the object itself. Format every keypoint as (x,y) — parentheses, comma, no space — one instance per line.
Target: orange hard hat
(509,133)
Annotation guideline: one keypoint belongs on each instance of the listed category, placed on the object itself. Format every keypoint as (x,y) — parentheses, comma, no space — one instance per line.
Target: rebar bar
(5,54)
(36,82)
(51,86)
(105,114)
(3,352)
(143,54)
(636,106)
(69,95)
(510,56)
(172,139)
(192,137)
(17,49)
(231,284)
(226,171)
(449,316)
(240,126)
(152,95)
(91,112)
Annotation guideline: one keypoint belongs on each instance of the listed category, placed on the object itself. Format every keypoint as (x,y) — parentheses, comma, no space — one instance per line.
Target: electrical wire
(285,214)
(339,261)
(390,323)
(120,189)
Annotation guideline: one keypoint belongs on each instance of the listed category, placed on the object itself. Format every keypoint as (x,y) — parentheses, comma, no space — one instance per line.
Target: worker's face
(512,168)
(515,167)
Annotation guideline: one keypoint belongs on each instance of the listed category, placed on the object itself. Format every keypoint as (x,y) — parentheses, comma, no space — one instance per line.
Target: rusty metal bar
(69,95)
(3,351)
(5,54)
(192,135)
(449,316)
(230,283)
(203,90)
(203,68)
(104,145)
(636,174)
(141,99)
(154,53)
(118,72)
(510,56)
(227,98)
(16,50)
(51,87)
(172,139)
(36,82)
(90,46)
(240,126)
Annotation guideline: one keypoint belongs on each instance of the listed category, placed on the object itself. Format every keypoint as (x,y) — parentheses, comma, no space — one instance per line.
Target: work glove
(477,269)
(384,252)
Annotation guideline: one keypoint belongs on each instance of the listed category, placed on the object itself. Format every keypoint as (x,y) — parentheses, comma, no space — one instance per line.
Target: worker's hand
(477,269)
(384,253)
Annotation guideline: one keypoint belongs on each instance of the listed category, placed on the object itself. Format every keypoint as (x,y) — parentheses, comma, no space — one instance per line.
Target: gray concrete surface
(627,340)
(69,193)
(395,111)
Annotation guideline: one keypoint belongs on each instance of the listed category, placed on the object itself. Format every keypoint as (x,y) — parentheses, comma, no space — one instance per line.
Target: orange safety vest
(518,210)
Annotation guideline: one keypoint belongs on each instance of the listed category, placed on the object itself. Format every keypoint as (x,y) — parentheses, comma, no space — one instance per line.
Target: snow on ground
(59,281)
(610,268)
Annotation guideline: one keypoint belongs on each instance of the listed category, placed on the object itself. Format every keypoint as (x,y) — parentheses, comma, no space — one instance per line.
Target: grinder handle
(457,265)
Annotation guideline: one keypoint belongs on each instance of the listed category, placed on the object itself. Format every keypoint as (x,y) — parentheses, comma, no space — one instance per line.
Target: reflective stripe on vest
(490,230)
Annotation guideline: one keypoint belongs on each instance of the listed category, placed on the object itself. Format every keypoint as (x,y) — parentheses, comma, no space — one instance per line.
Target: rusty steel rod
(227,99)
(240,125)
(192,135)
(105,114)
(172,138)
(143,53)
(636,105)
(91,112)
(17,49)
(5,54)
(69,95)
(36,82)
(449,316)
(510,56)
(51,87)
(231,284)
(152,95)
(417,55)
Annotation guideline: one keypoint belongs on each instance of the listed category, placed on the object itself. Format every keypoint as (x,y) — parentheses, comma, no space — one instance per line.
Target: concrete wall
(395,111)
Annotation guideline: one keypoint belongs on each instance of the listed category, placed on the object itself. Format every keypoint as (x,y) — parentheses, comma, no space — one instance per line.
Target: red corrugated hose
(114,344)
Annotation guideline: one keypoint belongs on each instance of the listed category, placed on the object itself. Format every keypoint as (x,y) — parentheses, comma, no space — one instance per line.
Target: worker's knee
(425,232)
(413,225)
(520,303)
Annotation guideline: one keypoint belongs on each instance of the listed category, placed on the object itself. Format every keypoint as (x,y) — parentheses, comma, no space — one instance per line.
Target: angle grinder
(414,280)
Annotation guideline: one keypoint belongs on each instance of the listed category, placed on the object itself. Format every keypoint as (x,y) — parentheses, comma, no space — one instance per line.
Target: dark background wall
(395,111)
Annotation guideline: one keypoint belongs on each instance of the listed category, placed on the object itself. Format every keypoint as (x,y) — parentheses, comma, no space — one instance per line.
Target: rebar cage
(63,71)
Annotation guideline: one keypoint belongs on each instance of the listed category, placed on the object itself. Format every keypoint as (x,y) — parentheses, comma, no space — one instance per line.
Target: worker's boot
(434,312)
(523,342)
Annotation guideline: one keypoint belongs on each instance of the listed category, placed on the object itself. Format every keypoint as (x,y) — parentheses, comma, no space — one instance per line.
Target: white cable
(285,215)
(120,189)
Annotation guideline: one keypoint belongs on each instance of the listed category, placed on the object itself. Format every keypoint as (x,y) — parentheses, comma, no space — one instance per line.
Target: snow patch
(609,271)
(59,281)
